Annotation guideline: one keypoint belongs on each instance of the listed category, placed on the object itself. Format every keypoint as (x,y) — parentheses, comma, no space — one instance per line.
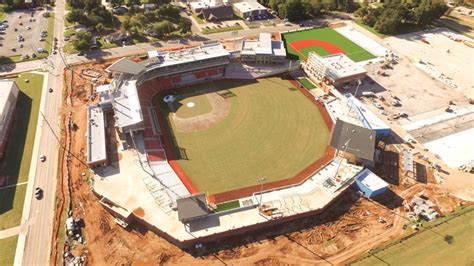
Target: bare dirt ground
(344,231)
(220,110)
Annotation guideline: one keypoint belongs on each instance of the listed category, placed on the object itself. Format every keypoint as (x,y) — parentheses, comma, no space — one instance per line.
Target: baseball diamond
(271,130)
(323,41)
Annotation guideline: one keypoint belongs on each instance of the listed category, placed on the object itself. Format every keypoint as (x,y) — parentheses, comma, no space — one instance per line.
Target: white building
(251,9)
(198,6)
(333,69)
(263,51)
(96,141)
(8,98)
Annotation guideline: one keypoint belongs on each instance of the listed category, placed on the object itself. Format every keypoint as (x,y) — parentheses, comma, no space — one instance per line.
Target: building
(96,141)
(353,139)
(263,51)
(198,6)
(8,98)
(222,12)
(250,10)
(134,84)
(370,184)
(334,70)
(192,207)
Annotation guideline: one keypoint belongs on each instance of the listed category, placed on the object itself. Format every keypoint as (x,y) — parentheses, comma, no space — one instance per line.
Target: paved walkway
(10,232)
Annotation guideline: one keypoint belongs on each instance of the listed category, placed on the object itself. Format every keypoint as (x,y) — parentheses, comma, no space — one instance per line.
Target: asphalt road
(34,247)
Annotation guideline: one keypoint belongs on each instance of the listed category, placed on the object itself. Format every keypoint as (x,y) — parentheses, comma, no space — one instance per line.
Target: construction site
(348,228)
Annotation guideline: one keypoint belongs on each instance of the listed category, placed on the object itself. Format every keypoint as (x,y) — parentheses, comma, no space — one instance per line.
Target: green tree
(162,28)
(185,25)
(99,27)
(82,40)
(76,15)
(295,10)
(168,11)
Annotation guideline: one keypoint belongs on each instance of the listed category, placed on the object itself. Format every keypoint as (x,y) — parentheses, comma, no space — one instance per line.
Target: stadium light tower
(261,181)
(345,146)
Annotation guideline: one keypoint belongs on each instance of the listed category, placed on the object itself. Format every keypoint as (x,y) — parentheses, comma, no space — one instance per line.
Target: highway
(34,242)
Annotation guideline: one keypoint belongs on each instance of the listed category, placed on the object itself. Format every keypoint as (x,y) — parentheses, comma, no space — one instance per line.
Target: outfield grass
(352,50)
(16,163)
(7,250)
(201,106)
(272,131)
(451,243)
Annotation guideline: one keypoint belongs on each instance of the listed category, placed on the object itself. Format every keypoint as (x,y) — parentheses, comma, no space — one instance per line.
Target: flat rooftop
(203,4)
(340,66)
(371,180)
(249,6)
(96,142)
(203,52)
(126,105)
(263,46)
(6,88)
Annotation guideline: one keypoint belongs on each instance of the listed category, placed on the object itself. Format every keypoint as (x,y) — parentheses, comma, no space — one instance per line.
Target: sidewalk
(10,232)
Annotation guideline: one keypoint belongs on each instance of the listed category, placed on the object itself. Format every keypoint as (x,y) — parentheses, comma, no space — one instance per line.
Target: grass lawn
(16,163)
(7,250)
(228,206)
(369,28)
(69,48)
(352,50)
(49,39)
(272,131)
(223,29)
(201,106)
(69,32)
(198,19)
(307,83)
(446,244)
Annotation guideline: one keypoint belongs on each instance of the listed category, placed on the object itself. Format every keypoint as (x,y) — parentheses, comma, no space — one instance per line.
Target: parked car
(378,105)
(395,103)
(38,193)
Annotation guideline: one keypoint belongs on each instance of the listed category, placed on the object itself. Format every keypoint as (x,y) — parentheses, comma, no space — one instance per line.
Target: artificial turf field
(432,247)
(332,40)
(272,131)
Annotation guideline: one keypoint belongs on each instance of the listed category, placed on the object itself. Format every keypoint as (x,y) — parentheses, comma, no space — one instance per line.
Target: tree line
(393,18)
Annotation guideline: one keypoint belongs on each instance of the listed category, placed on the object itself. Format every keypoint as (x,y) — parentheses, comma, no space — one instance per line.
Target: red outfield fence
(248,191)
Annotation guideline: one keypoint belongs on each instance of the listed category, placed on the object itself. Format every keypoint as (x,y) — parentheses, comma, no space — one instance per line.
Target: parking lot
(28,25)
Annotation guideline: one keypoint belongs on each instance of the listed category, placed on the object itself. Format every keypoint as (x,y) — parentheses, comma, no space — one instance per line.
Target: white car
(378,105)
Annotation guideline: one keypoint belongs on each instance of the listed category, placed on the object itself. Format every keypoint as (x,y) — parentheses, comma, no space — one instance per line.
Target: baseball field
(259,128)
(323,41)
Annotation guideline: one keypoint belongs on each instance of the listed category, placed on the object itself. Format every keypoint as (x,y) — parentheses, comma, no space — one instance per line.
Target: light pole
(345,146)
(359,82)
(261,181)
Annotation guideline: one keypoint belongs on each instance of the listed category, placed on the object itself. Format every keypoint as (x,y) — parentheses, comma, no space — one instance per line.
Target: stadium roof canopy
(127,66)
(192,207)
(353,139)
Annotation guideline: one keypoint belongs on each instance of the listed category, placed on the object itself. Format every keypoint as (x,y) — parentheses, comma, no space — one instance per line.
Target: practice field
(323,41)
(271,130)
(448,244)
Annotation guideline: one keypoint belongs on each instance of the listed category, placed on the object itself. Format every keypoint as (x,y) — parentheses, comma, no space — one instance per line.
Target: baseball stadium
(218,155)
